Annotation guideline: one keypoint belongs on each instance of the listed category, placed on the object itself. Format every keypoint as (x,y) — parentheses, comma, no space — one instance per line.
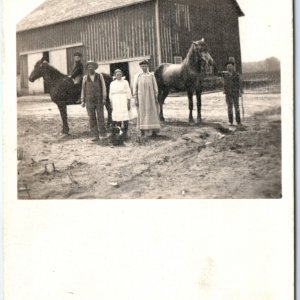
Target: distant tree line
(271,64)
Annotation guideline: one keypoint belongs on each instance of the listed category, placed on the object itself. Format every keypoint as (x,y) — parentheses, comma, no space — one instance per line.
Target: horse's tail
(107,79)
(158,74)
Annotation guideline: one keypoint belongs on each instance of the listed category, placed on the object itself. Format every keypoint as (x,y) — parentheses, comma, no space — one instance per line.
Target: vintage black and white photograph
(153,99)
(148,149)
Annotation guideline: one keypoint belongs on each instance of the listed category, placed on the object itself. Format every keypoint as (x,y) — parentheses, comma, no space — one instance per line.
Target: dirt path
(207,161)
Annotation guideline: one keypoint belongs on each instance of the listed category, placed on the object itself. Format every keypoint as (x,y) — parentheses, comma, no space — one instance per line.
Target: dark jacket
(77,70)
(93,92)
(232,83)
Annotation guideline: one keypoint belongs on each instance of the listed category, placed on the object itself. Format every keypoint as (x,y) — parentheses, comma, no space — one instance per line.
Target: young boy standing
(232,89)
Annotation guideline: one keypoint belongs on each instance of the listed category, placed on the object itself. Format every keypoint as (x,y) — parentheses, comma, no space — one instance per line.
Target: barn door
(58,59)
(103,69)
(37,86)
(122,66)
(24,71)
(134,70)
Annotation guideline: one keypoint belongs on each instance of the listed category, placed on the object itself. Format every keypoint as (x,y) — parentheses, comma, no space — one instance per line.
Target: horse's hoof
(64,135)
(191,121)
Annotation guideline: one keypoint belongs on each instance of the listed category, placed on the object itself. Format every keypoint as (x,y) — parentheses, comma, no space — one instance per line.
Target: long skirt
(148,109)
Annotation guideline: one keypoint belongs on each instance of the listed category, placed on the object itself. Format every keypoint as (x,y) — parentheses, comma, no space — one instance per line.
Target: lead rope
(243,110)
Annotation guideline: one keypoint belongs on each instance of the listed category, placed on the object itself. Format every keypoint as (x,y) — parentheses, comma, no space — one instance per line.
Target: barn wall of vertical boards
(131,32)
(184,21)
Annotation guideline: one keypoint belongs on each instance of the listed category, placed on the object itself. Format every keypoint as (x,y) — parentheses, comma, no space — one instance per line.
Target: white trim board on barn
(140,58)
(51,49)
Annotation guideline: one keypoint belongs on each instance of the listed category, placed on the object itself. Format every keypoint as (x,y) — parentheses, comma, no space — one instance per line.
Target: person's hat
(93,63)
(230,62)
(144,62)
(118,70)
(78,54)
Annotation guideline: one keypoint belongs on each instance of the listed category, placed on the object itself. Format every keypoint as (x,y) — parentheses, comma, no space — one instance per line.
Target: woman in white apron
(120,96)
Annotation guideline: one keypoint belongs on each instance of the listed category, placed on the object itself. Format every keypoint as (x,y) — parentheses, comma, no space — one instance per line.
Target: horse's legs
(160,102)
(64,117)
(199,104)
(162,95)
(191,105)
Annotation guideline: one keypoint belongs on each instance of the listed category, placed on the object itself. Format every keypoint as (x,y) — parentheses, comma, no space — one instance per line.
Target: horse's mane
(190,53)
(192,59)
(55,72)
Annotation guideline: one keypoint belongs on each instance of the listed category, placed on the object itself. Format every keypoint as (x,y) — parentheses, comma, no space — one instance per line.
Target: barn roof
(56,11)
(240,12)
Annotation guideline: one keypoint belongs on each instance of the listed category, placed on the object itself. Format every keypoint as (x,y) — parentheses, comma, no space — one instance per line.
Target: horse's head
(200,50)
(38,70)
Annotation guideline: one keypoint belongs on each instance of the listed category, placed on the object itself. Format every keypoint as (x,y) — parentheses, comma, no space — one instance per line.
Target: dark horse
(187,76)
(63,91)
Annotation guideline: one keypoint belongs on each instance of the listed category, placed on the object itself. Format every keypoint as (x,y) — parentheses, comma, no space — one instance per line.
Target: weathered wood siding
(175,29)
(130,32)
(119,34)
(182,21)
(231,34)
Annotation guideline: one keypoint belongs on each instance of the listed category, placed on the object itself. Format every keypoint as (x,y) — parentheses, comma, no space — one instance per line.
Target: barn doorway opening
(46,58)
(123,66)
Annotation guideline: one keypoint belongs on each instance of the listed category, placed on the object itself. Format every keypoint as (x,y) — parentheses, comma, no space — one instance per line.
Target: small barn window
(209,70)
(177,59)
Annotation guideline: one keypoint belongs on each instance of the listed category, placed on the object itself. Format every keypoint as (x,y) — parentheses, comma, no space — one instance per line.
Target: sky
(260,29)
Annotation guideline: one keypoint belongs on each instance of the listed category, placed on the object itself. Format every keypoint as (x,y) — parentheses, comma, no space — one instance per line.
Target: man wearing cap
(77,72)
(93,97)
(232,90)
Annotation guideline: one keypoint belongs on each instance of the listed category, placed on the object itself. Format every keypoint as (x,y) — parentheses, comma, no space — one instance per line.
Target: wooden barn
(121,33)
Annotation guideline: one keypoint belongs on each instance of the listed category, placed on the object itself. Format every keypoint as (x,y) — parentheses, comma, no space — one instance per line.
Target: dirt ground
(206,161)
